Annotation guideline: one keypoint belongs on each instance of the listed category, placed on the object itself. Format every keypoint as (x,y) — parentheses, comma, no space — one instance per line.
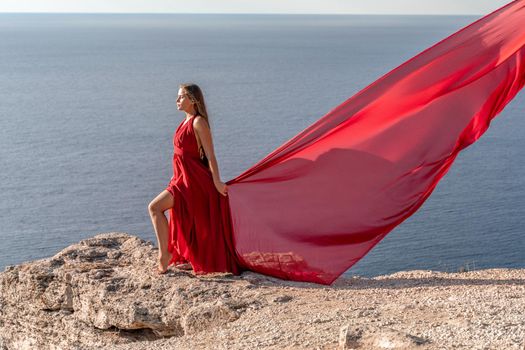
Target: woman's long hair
(197,98)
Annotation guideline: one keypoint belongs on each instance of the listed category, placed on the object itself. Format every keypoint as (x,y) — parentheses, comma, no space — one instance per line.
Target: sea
(87,114)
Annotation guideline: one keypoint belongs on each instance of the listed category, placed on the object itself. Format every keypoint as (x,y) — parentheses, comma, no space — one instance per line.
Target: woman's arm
(200,125)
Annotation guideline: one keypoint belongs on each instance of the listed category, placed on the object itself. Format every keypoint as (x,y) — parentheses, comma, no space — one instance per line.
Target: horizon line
(238,13)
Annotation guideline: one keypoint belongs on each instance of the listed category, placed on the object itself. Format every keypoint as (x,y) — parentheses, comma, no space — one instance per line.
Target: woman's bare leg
(156,208)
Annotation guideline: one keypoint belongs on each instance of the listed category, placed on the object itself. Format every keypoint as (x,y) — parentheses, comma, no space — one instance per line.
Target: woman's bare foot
(164,261)
(184,266)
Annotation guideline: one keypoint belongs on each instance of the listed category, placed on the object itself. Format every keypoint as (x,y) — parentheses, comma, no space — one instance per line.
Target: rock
(103,286)
(208,315)
(103,293)
(349,337)
(282,299)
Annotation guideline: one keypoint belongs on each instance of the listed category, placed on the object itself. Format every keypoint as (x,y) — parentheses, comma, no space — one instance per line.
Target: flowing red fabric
(317,204)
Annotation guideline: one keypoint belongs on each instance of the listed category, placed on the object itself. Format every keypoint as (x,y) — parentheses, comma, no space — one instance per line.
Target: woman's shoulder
(200,122)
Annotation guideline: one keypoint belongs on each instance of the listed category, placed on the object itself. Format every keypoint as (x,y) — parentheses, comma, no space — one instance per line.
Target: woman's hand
(221,187)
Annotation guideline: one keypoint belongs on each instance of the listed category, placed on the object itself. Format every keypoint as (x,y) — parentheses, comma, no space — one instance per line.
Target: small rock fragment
(282,299)
(349,337)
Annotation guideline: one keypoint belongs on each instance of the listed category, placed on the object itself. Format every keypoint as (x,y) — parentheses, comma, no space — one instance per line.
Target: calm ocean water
(88,111)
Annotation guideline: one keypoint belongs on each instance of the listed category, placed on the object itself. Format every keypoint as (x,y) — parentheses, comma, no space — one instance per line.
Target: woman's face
(184,102)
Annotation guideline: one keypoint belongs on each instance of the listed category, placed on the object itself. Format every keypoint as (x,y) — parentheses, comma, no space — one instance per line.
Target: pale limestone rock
(103,293)
(349,337)
(208,315)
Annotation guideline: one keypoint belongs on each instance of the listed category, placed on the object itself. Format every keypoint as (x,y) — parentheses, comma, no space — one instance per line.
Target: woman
(199,229)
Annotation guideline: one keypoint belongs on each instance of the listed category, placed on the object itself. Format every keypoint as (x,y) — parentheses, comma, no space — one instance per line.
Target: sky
(448,7)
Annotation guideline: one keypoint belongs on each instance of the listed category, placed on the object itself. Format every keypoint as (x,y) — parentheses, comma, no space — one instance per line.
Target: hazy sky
(476,7)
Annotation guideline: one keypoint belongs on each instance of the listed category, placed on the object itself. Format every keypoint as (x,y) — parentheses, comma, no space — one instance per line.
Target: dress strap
(203,155)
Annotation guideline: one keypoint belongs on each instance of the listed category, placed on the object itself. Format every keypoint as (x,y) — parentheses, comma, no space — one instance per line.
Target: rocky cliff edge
(103,293)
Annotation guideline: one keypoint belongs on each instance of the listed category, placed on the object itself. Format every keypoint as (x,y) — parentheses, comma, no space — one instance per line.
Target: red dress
(199,225)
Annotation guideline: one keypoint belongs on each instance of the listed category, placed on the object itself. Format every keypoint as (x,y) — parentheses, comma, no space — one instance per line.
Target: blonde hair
(197,98)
